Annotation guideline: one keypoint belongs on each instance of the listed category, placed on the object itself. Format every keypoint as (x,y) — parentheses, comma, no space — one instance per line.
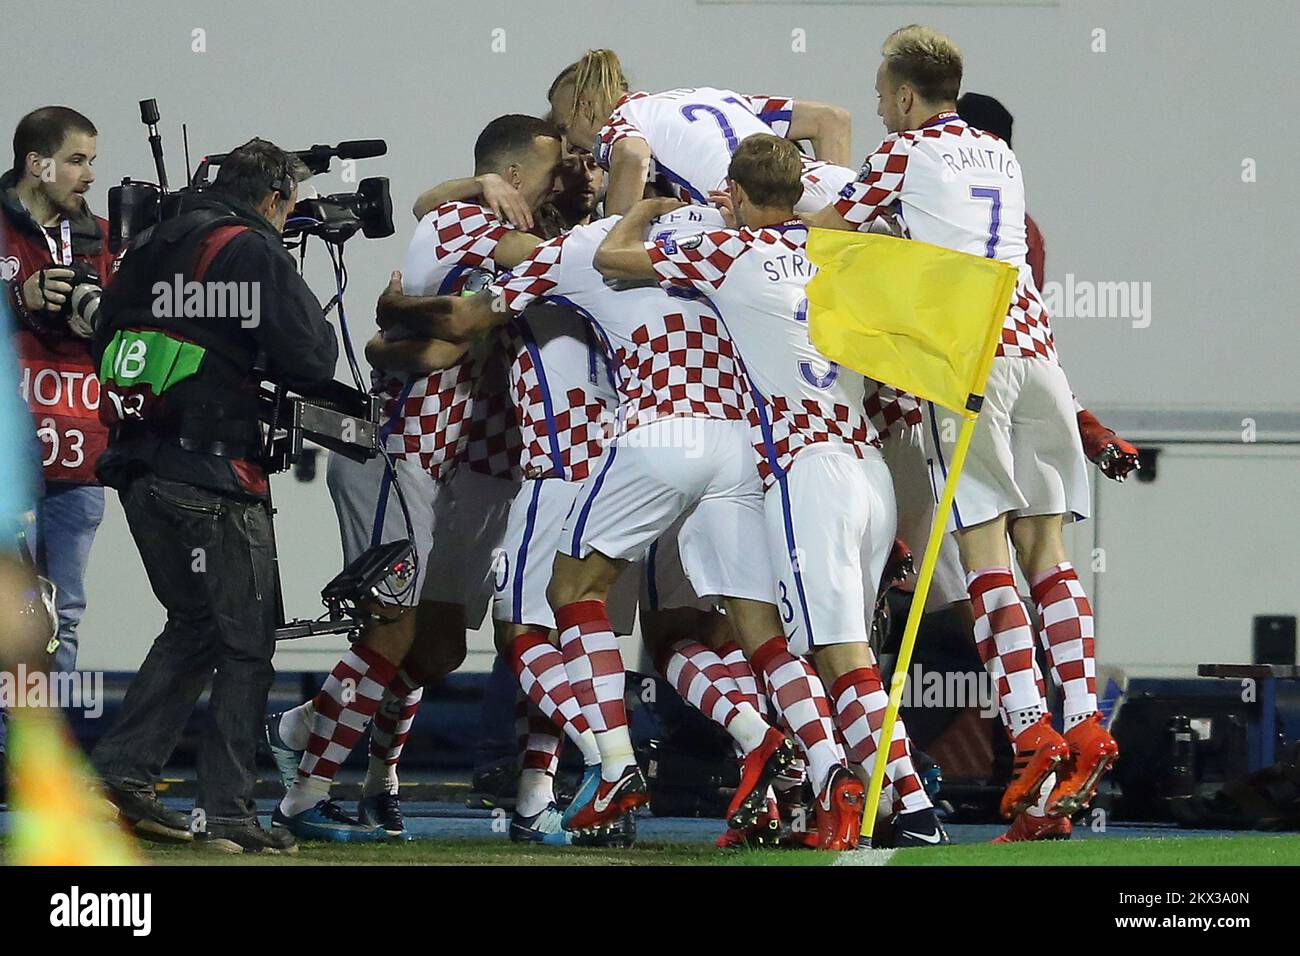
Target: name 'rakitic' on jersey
(970,157)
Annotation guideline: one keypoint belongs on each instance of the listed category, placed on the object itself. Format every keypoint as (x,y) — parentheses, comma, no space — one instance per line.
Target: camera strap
(212,244)
(61,251)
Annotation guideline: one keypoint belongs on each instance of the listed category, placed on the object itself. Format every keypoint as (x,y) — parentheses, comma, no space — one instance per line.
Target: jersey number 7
(994,196)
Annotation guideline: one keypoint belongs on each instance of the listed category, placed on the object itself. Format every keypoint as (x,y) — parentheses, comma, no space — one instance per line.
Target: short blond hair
(925,60)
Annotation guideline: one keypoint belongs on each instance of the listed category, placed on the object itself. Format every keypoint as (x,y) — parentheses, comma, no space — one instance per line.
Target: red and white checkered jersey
(425,416)
(563,389)
(672,356)
(958,187)
(493,441)
(692,132)
(757,279)
(822,185)
(887,407)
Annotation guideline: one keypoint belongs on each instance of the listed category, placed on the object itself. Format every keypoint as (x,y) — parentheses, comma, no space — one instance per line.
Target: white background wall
(1133,160)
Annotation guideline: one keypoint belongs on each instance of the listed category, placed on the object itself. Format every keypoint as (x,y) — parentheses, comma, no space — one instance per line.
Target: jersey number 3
(825,380)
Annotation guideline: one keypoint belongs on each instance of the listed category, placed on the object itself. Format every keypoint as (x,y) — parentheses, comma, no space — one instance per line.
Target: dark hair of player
(769,169)
(986,113)
(925,60)
(509,137)
(257,168)
(42,132)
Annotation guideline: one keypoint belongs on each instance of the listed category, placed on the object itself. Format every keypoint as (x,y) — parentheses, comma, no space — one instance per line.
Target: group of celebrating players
(585,408)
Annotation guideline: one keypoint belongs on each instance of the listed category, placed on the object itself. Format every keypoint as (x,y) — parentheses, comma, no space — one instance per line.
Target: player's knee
(573,580)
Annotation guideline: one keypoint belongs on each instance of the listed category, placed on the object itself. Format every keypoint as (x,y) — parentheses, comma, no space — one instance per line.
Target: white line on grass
(864,858)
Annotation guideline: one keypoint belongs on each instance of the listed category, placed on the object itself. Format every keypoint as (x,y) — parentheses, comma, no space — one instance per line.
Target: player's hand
(385,313)
(722,199)
(47,289)
(505,201)
(659,206)
(1115,457)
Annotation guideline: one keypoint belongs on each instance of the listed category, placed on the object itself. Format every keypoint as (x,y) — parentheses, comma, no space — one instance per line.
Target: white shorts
(460,564)
(830,528)
(663,579)
(522,566)
(1025,455)
(355,490)
(698,469)
(904,451)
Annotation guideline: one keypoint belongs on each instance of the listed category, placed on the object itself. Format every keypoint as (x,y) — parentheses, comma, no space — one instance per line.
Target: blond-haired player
(684,136)
(955,186)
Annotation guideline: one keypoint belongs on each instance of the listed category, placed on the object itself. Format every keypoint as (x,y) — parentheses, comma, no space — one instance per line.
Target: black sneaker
(383,810)
(919,828)
(245,838)
(148,817)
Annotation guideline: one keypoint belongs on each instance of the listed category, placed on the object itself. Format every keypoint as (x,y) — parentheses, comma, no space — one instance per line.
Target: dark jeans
(210,562)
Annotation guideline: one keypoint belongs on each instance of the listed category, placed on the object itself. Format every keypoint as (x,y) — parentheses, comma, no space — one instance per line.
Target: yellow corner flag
(59,820)
(925,320)
(921,318)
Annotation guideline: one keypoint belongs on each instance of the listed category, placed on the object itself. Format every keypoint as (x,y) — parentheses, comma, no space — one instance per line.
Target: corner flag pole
(896,684)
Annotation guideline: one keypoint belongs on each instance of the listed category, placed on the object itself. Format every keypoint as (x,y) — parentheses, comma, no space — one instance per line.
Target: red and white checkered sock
(388,732)
(343,709)
(596,674)
(799,697)
(734,657)
(540,669)
(860,702)
(539,744)
(706,684)
(1066,631)
(295,724)
(1003,632)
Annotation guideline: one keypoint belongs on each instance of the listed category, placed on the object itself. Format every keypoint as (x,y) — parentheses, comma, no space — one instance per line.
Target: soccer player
(563,396)
(681,448)
(685,136)
(962,188)
(829,502)
(432,421)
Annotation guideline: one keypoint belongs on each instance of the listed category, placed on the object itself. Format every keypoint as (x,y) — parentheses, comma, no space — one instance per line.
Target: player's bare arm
(629,166)
(412,356)
(506,202)
(828,218)
(829,129)
(454,319)
(514,247)
(623,254)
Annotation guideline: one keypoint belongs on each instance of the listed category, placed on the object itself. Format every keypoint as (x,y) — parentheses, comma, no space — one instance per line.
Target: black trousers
(210,562)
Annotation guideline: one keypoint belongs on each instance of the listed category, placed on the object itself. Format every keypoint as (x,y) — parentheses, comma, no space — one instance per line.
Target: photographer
(55,255)
(204,307)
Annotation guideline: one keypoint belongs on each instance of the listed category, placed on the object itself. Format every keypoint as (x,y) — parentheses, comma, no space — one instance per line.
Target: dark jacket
(288,340)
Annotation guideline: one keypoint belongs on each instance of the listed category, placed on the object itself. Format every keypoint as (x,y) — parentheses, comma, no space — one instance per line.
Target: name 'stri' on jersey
(757,279)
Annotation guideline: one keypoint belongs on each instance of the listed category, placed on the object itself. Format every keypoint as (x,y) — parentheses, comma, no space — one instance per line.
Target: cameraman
(55,254)
(181,394)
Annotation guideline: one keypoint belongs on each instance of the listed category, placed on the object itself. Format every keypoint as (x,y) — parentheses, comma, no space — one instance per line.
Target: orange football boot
(1025,827)
(1092,752)
(1039,749)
